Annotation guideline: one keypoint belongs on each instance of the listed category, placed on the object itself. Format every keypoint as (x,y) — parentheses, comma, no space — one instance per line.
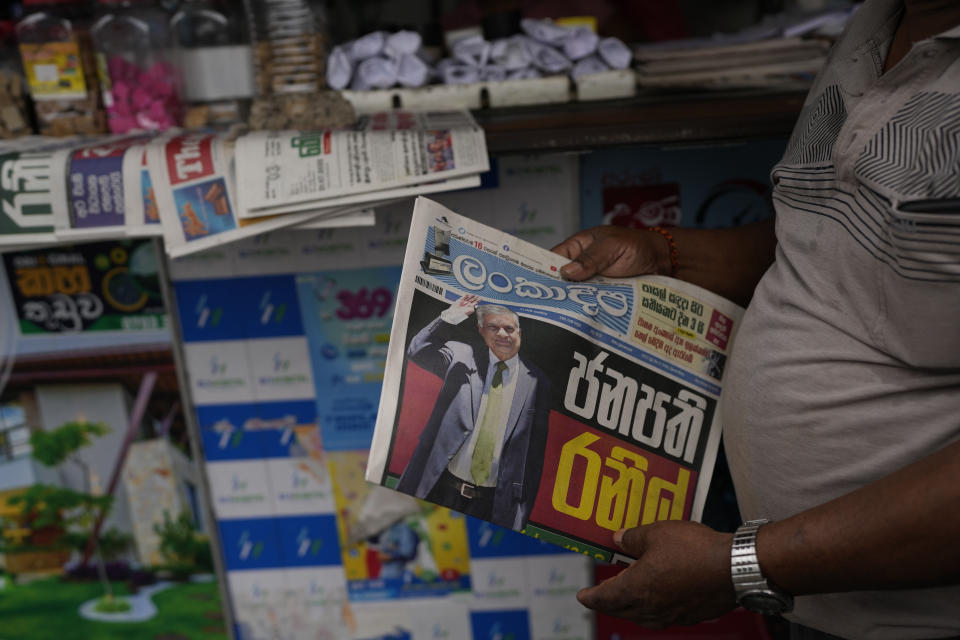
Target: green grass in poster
(48,608)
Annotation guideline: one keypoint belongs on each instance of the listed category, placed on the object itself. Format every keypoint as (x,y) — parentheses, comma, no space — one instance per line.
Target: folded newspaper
(33,194)
(195,191)
(563,410)
(389,154)
(184,185)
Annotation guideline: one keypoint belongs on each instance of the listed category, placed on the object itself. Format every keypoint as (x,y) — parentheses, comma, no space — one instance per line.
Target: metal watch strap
(748,580)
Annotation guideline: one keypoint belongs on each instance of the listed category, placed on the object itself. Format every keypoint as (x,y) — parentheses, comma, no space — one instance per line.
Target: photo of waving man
(481,451)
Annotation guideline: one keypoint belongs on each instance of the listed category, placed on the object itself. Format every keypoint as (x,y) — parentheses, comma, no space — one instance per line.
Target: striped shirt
(847,365)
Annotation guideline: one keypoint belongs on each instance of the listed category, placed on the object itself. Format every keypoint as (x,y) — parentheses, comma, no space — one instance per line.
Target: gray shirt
(847,365)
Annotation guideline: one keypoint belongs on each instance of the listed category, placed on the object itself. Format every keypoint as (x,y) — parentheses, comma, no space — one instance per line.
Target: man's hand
(681,576)
(617,252)
(461,309)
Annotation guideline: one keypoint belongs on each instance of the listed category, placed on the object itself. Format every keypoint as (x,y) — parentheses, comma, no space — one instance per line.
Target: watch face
(764,603)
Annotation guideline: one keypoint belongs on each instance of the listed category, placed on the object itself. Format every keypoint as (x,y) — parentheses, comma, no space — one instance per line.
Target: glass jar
(215,59)
(14,120)
(141,85)
(60,67)
(291,45)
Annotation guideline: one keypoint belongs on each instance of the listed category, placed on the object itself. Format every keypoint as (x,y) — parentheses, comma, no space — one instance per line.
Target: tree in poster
(61,517)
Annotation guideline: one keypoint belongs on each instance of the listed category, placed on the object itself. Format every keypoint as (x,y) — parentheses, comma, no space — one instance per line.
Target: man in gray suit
(481,452)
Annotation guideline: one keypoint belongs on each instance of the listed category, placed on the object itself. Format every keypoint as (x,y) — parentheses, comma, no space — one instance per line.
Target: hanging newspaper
(97,189)
(605,414)
(140,198)
(385,155)
(195,193)
(34,203)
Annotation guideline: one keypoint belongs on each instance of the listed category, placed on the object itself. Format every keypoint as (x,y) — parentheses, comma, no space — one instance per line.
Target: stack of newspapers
(782,50)
(200,189)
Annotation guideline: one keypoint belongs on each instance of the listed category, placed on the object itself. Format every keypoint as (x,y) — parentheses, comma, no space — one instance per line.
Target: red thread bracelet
(674,252)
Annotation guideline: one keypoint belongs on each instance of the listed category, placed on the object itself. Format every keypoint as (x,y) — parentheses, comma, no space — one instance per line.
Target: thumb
(632,541)
(594,259)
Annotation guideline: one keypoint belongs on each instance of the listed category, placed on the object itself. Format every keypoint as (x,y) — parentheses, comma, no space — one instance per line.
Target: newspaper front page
(193,179)
(34,202)
(603,415)
(286,171)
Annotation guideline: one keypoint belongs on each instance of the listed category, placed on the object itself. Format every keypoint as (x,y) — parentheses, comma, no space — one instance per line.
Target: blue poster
(211,309)
(488,540)
(250,543)
(256,431)
(308,541)
(500,625)
(270,305)
(347,317)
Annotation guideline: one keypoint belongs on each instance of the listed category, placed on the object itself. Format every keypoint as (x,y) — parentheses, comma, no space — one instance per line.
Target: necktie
(486,440)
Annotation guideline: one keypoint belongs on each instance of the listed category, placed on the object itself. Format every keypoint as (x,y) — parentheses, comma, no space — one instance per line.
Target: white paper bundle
(528,73)
(412,71)
(378,72)
(493,73)
(581,43)
(547,59)
(473,51)
(459,74)
(366,46)
(545,31)
(402,43)
(614,53)
(511,53)
(339,69)
(591,64)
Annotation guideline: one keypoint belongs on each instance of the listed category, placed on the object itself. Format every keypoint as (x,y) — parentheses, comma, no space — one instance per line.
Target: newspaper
(605,416)
(140,199)
(34,203)
(193,180)
(97,189)
(287,171)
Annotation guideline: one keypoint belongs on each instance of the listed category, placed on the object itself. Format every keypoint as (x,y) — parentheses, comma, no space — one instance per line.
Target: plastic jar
(60,67)
(134,57)
(215,59)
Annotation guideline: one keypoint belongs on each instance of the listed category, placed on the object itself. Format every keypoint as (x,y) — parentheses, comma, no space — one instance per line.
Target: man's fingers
(594,259)
(574,245)
(608,596)
(632,541)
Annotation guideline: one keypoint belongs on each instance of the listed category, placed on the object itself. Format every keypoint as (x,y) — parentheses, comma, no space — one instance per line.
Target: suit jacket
(463,368)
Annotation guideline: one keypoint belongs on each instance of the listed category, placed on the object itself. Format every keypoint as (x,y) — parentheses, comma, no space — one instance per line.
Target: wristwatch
(752,590)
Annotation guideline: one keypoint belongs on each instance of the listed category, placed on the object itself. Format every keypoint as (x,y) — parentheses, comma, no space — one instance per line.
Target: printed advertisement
(347,316)
(710,186)
(421,553)
(562,410)
(103,286)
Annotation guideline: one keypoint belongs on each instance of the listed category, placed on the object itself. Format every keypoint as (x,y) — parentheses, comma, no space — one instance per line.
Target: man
(481,452)
(841,404)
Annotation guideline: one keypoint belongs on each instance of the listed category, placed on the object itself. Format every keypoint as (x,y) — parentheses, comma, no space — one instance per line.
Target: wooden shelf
(651,119)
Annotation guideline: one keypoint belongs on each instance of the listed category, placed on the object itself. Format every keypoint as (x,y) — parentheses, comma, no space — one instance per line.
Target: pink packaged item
(141,88)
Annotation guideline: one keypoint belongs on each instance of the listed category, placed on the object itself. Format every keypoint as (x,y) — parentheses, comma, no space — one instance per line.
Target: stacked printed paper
(387,155)
(201,189)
